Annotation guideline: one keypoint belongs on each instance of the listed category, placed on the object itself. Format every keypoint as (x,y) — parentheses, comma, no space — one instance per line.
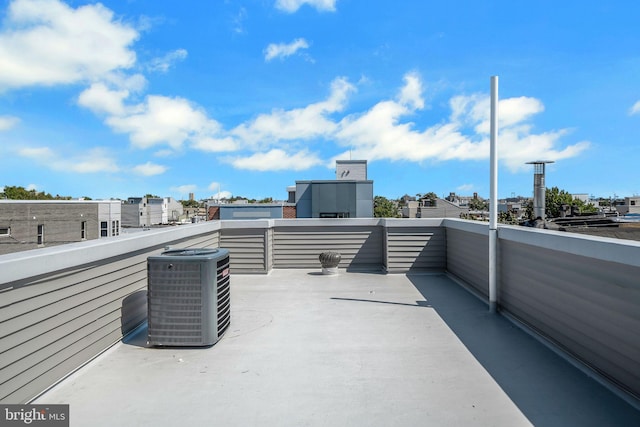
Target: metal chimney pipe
(539,189)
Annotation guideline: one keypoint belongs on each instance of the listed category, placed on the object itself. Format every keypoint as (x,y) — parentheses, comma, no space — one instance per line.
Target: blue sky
(125,98)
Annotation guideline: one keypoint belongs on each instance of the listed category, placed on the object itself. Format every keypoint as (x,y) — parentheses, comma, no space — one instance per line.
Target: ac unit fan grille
(175,312)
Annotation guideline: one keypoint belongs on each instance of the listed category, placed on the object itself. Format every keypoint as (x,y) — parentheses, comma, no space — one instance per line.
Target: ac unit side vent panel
(224,293)
(188,297)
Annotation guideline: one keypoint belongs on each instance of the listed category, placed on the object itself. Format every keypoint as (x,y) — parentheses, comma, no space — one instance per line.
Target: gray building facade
(631,205)
(172,210)
(142,211)
(251,211)
(351,170)
(32,224)
(334,199)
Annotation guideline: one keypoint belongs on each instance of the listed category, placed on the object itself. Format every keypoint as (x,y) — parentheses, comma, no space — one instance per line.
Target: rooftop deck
(357,349)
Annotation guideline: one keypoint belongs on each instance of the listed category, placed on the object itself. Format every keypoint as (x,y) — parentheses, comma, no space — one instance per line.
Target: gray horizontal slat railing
(298,243)
(570,289)
(415,245)
(248,245)
(62,306)
(467,253)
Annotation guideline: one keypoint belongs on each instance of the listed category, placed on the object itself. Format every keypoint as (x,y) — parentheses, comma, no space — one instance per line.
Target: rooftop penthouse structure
(402,336)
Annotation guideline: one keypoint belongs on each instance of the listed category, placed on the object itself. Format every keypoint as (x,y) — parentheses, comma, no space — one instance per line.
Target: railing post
(493,202)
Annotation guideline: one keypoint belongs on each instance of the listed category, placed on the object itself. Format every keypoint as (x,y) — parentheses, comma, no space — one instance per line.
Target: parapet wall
(62,306)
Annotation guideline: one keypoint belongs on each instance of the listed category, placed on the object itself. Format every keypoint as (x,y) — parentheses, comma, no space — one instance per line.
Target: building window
(115,228)
(5,231)
(40,234)
(104,228)
(334,214)
(83,230)
(632,202)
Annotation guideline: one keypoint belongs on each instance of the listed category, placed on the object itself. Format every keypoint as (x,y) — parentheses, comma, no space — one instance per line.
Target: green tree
(528,209)
(190,203)
(429,198)
(555,202)
(478,204)
(383,208)
(237,198)
(584,208)
(20,193)
(508,217)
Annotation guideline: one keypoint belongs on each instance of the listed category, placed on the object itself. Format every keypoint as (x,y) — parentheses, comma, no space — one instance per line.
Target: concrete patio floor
(357,349)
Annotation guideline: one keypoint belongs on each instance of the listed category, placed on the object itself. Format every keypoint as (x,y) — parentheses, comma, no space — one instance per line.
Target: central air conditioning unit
(188,297)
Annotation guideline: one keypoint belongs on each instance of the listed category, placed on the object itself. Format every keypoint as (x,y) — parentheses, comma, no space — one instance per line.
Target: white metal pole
(493,202)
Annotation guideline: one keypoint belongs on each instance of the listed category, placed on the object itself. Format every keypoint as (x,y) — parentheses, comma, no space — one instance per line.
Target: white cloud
(280,140)
(149,169)
(411,93)
(91,161)
(517,145)
(8,122)
(292,6)
(219,194)
(465,187)
(36,153)
(101,100)
(635,109)
(380,133)
(133,83)
(164,153)
(94,160)
(213,144)
(164,120)
(47,42)
(308,122)
(238,21)
(162,64)
(157,120)
(185,189)
(515,110)
(475,110)
(222,195)
(276,160)
(284,50)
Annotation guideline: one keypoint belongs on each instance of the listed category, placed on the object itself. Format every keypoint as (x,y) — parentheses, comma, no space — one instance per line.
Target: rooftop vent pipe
(539,188)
